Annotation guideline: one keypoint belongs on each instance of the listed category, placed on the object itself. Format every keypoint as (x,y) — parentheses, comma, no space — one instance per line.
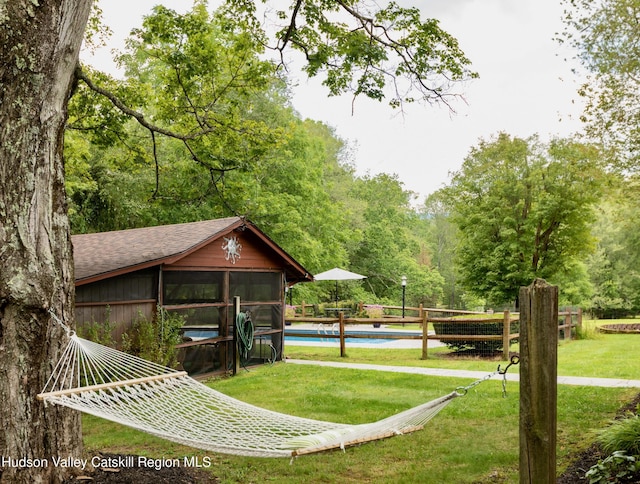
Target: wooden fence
(568,320)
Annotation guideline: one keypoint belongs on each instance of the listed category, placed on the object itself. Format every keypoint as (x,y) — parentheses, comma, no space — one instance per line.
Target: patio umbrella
(337,274)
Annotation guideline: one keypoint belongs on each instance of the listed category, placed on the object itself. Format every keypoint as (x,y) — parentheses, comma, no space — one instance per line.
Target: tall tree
(390,247)
(607,39)
(614,266)
(523,210)
(39,45)
(442,239)
(116,178)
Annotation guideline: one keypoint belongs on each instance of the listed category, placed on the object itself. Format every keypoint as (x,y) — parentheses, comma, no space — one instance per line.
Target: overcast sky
(525,87)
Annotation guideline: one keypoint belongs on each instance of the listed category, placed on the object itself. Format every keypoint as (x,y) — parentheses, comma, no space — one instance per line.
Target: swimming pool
(350,341)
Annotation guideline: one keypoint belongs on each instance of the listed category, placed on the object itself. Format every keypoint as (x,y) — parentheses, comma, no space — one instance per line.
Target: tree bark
(39,46)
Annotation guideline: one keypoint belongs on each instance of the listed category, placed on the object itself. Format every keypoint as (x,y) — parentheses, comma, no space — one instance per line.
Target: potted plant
(374,311)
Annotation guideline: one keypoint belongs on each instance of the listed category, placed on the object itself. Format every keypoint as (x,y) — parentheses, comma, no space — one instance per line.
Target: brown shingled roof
(108,252)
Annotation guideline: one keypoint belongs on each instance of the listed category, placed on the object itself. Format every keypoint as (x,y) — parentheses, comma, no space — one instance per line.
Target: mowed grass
(474,439)
(600,355)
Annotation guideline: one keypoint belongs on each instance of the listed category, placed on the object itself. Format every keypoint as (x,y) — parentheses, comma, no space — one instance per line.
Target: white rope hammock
(107,383)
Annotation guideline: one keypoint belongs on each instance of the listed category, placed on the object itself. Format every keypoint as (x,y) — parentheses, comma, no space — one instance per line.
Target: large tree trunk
(39,46)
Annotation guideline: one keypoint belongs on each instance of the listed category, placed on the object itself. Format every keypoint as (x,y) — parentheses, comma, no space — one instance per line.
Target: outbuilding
(194,270)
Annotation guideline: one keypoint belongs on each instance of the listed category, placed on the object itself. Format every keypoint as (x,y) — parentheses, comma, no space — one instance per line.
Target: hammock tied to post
(123,388)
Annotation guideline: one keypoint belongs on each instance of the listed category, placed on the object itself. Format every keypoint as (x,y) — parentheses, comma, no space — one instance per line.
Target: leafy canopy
(201,127)
(605,33)
(614,265)
(226,141)
(363,49)
(523,210)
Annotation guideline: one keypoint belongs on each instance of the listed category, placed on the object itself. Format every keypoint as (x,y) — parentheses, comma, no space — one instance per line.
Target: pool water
(319,338)
(292,339)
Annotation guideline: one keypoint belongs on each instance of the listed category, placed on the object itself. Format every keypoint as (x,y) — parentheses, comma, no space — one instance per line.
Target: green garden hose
(244,330)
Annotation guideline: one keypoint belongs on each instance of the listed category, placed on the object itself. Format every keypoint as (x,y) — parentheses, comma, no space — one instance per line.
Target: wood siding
(127,297)
(252,256)
(119,314)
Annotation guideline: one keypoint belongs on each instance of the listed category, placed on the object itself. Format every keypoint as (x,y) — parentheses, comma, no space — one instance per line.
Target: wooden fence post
(579,319)
(343,350)
(425,333)
(236,352)
(538,382)
(506,334)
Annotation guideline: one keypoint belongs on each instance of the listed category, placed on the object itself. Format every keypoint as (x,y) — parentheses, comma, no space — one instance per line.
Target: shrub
(618,467)
(289,312)
(623,434)
(622,441)
(155,340)
(374,311)
(474,329)
(582,333)
(101,333)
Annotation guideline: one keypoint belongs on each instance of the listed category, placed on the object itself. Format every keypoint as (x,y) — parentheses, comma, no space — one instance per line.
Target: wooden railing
(341,321)
(567,321)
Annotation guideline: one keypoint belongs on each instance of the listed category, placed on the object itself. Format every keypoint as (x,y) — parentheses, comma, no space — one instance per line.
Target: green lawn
(474,439)
(604,356)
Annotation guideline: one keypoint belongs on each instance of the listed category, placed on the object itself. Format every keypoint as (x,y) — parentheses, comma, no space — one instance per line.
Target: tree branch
(291,28)
(80,74)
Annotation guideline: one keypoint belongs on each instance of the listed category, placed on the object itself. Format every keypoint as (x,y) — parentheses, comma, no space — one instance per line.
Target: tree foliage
(391,246)
(360,48)
(197,78)
(441,237)
(607,38)
(250,155)
(297,185)
(613,266)
(523,210)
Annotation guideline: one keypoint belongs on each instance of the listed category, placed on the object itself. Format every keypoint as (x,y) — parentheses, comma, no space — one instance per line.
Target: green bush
(582,333)
(101,333)
(155,340)
(473,329)
(618,467)
(373,311)
(622,441)
(623,434)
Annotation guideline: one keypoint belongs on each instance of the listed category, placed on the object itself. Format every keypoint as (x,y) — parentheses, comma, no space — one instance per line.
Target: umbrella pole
(336,293)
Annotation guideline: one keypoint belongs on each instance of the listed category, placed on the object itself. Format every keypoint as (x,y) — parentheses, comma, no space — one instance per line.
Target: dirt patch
(128,474)
(587,459)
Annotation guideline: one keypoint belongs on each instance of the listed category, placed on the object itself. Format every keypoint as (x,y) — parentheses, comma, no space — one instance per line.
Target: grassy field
(473,440)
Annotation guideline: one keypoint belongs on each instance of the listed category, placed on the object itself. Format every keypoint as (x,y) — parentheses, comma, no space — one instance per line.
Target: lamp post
(404,287)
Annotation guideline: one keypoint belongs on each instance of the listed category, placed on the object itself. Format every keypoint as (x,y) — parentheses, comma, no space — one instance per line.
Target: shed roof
(106,254)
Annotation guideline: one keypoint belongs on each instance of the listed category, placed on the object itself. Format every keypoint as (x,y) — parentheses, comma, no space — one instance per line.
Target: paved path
(511,375)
